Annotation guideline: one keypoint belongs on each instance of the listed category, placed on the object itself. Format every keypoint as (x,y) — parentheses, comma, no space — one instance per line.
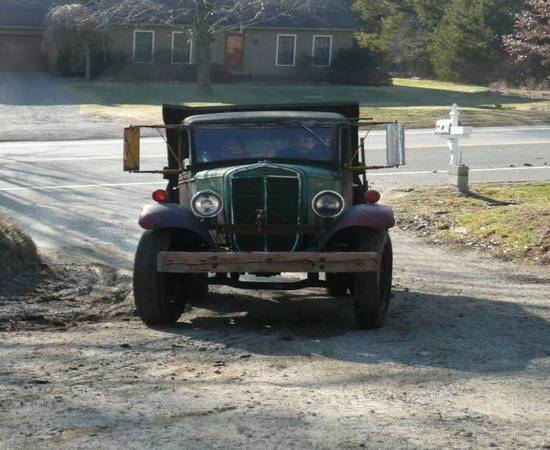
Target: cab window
(258,143)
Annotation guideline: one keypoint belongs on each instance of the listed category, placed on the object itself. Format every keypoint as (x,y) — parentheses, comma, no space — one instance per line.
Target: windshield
(258,143)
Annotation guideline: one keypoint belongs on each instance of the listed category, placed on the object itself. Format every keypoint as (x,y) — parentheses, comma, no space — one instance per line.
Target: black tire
(199,288)
(338,284)
(159,297)
(372,290)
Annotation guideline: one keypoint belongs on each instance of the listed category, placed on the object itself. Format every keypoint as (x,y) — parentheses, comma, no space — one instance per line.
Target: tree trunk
(204,58)
(88,62)
(203,39)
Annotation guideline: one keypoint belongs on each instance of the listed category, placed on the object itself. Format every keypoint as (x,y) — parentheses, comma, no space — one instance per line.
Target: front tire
(159,297)
(372,290)
(338,284)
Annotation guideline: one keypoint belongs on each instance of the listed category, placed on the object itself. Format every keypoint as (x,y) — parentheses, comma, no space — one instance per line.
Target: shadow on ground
(34,89)
(155,94)
(456,332)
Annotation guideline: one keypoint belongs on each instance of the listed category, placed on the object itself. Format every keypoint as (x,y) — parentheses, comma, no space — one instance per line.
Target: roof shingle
(24,13)
(314,14)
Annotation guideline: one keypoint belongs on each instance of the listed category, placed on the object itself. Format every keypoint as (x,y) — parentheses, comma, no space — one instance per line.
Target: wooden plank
(258,262)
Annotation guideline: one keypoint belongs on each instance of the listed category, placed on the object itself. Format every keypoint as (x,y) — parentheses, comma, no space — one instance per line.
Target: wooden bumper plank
(257,262)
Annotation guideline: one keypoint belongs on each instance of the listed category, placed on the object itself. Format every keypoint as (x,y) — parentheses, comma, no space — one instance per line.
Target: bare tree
(203,18)
(71,30)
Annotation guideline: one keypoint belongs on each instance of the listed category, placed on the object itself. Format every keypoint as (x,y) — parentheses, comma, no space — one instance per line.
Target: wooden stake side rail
(258,262)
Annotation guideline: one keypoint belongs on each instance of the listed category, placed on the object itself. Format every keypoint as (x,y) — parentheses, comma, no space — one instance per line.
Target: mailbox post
(451,129)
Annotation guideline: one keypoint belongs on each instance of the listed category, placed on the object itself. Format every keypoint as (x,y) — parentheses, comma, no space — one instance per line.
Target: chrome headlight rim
(206,216)
(338,195)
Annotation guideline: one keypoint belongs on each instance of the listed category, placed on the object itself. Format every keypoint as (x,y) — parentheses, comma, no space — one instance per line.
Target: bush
(360,66)
(17,249)
(306,71)
(218,74)
(72,63)
(109,61)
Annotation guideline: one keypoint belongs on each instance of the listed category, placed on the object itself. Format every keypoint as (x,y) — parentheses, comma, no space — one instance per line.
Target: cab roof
(263,117)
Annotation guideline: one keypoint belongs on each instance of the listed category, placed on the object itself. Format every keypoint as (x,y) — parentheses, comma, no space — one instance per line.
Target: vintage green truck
(261,191)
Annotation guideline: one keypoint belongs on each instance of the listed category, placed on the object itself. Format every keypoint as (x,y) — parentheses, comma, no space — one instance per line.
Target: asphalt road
(73,197)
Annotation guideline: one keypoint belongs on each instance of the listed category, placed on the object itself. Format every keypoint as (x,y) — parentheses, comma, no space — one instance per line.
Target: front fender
(366,215)
(171,215)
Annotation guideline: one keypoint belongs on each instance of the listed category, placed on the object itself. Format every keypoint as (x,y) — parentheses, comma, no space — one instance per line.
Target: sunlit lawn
(506,220)
(414,102)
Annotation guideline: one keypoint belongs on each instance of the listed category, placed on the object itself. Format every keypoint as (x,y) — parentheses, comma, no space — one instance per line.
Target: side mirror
(395,144)
(131,149)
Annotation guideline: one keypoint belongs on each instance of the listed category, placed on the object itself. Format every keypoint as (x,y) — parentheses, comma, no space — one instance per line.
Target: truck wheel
(159,297)
(199,288)
(338,284)
(371,290)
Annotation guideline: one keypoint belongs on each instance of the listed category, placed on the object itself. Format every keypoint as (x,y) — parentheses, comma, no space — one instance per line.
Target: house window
(286,50)
(144,46)
(322,51)
(181,48)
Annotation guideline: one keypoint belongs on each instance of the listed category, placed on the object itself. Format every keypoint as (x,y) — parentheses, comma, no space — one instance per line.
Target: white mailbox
(453,131)
(443,126)
(461,131)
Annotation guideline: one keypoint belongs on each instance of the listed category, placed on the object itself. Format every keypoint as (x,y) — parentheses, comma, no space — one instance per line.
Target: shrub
(17,249)
(306,71)
(72,63)
(361,66)
(218,73)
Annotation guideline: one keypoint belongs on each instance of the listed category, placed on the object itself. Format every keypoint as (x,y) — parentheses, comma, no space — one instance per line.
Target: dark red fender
(171,215)
(367,215)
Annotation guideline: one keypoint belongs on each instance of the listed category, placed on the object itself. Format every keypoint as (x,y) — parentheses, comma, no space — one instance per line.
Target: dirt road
(463,362)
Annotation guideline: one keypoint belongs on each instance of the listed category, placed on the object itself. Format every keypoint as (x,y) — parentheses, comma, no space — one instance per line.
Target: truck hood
(310,171)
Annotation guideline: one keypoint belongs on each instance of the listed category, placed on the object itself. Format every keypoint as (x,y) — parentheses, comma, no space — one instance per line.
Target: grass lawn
(510,221)
(417,103)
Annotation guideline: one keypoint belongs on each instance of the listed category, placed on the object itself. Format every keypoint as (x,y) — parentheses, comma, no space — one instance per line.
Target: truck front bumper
(267,262)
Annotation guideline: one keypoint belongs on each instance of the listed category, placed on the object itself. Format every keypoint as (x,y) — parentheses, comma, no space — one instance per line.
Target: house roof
(313,14)
(310,14)
(24,13)
(317,14)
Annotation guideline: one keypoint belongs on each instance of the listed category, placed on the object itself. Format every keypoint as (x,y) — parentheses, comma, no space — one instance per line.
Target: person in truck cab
(233,149)
(307,146)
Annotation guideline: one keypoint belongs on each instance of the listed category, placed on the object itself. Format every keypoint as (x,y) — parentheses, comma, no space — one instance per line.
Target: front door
(234,52)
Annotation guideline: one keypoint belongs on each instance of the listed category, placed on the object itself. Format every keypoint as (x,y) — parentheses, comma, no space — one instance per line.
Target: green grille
(276,192)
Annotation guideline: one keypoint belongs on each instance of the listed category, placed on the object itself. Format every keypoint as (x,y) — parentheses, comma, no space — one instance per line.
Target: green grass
(439,85)
(414,102)
(507,220)
(417,103)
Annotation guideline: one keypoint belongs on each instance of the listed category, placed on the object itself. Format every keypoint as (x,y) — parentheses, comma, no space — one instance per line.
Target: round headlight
(206,204)
(328,204)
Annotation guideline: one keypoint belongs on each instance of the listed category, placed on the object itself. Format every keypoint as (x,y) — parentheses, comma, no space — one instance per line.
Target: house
(278,48)
(21,28)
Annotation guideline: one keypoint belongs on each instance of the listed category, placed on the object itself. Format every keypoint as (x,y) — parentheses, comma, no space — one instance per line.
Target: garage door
(21,52)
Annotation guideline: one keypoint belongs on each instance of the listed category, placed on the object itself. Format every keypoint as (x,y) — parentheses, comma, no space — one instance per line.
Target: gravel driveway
(38,107)
(463,362)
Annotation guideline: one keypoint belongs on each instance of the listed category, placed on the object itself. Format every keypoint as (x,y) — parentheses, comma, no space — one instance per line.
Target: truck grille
(273,190)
